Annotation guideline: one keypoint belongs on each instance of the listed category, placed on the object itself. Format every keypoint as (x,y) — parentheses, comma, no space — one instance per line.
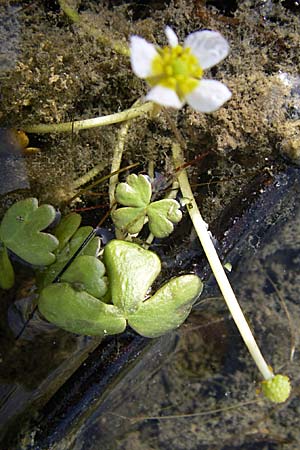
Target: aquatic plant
(20,233)
(175,76)
(135,195)
(131,270)
(74,292)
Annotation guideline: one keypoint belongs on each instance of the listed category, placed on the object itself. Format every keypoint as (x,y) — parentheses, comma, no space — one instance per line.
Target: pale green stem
(116,161)
(116,164)
(84,179)
(69,11)
(117,155)
(101,35)
(127,114)
(217,268)
(87,177)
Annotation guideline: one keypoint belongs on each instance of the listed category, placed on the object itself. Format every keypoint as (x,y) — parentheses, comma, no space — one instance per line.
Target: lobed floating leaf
(20,231)
(167,308)
(66,229)
(68,251)
(72,304)
(129,219)
(79,312)
(131,271)
(162,214)
(135,192)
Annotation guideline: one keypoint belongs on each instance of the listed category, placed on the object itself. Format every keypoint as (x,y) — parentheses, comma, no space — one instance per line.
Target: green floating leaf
(79,312)
(67,252)
(20,231)
(162,214)
(86,274)
(66,229)
(7,276)
(130,220)
(168,308)
(131,271)
(135,192)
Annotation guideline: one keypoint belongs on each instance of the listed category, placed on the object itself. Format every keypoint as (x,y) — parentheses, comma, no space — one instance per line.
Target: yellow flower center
(176,68)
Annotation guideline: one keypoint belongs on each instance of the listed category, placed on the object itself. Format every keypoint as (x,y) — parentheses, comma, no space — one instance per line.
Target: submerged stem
(217,268)
(117,157)
(101,35)
(127,114)
(69,11)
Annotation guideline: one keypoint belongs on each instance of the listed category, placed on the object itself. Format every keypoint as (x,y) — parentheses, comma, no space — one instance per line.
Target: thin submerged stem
(78,125)
(117,157)
(101,35)
(101,180)
(85,178)
(69,11)
(217,268)
(186,415)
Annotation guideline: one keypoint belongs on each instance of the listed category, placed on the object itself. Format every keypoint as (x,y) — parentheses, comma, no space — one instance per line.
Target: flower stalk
(217,268)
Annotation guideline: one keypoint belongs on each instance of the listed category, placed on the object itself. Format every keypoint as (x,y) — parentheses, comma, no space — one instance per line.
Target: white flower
(175,72)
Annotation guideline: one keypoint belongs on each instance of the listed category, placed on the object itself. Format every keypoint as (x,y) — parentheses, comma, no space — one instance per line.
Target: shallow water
(210,369)
(54,71)
(132,390)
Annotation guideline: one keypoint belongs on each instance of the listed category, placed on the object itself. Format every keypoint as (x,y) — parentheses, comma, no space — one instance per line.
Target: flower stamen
(175,68)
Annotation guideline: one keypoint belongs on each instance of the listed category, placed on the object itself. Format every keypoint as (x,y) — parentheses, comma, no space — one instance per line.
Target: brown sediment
(62,73)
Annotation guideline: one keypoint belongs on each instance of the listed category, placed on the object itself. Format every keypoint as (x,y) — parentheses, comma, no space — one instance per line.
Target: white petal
(141,55)
(208,96)
(210,47)
(164,96)
(171,36)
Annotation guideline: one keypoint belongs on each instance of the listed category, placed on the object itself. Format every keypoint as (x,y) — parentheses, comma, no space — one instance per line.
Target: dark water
(210,370)
(119,397)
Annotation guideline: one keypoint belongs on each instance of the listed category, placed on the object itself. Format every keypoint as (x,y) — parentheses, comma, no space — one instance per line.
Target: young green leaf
(66,229)
(130,220)
(162,214)
(7,276)
(135,192)
(167,308)
(135,195)
(79,312)
(20,231)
